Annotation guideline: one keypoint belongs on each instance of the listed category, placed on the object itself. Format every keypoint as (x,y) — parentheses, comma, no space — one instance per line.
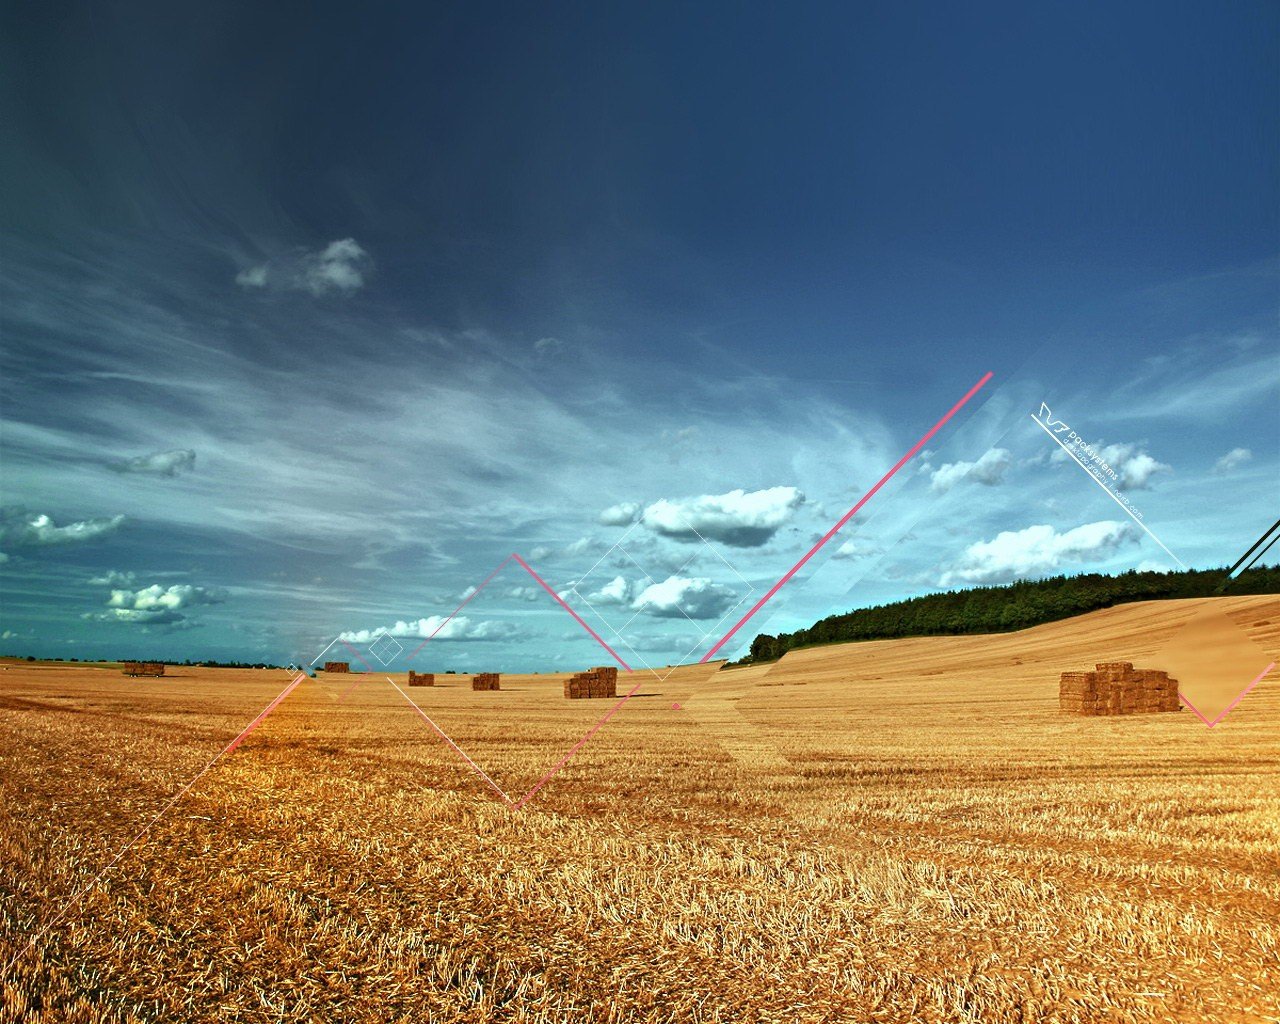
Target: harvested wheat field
(889,831)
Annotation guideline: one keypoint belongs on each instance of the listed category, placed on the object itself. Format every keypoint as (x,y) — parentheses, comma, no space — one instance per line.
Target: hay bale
(337,666)
(1117,688)
(485,681)
(421,678)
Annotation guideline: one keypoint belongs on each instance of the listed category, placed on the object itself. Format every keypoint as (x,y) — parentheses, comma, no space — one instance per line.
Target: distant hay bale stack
(337,666)
(1117,688)
(421,678)
(485,681)
(601,681)
(143,668)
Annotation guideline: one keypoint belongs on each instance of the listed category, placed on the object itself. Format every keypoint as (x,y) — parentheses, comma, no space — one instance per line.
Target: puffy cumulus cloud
(525,593)
(1037,551)
(341,266)
(616,591)
(20,528)
(622,514)
(678,596)
(156,597)
(742,519)
(159,606)
(1134,468)
(988,470)
(439,628)
(167,463)
(1232,460)
(253,277)
(852,549)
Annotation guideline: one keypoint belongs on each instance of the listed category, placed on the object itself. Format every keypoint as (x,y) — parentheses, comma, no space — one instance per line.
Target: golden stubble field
(891,831)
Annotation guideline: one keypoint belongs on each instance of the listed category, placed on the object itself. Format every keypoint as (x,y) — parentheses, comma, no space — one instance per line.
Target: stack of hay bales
(143,668)
(1117,688)
(595,682)
(421,678)
(337,666)
(485,681)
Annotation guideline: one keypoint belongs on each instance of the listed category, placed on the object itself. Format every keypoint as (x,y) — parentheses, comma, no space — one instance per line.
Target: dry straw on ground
(928,839)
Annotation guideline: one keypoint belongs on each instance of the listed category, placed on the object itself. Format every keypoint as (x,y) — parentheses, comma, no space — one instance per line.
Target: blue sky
(310,319)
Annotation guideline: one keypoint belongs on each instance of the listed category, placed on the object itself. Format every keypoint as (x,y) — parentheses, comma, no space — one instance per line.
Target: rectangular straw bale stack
(485,681)
(1117,688)
(337,666)
(421,678)
(601,681)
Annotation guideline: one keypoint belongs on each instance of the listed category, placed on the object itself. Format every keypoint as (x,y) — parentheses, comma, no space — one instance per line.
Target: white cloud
(539,553)
(616,591)
(856,549)
(548,346)
(988,470)
(1037,551)
(459,628)
(579,546)
(1233,459)
(157,605)
(1134,468)
(739,518)
(253,277)
(696,597)
(525,593)
(166,463)
(622,514)
(341,266)
(112,578)
(20,528)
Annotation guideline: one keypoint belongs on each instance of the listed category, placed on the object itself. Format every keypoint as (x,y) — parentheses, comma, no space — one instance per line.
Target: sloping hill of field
(894,831)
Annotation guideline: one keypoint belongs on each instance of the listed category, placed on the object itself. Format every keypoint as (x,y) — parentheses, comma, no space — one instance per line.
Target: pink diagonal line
(1228,709)
(577,617)
(359,679)
(576,747)
(444,736)
(75,899)
(459,608)
(847,516)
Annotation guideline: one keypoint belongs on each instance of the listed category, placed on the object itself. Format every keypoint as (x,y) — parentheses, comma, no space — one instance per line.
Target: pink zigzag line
(517,805)
(444,736)
(1228,709)
(446,622)
(576,616)
(360,678)
(847,516)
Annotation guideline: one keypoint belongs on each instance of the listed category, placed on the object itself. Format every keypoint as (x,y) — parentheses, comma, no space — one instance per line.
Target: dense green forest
(1015,606)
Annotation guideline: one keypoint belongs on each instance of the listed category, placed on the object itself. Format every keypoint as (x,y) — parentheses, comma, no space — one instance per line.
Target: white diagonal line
(1108,491)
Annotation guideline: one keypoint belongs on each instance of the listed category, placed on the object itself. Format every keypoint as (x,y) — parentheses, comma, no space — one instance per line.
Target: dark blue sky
(706,239)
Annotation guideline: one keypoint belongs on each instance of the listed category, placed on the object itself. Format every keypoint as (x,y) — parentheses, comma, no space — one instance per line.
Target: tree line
(1001,609)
